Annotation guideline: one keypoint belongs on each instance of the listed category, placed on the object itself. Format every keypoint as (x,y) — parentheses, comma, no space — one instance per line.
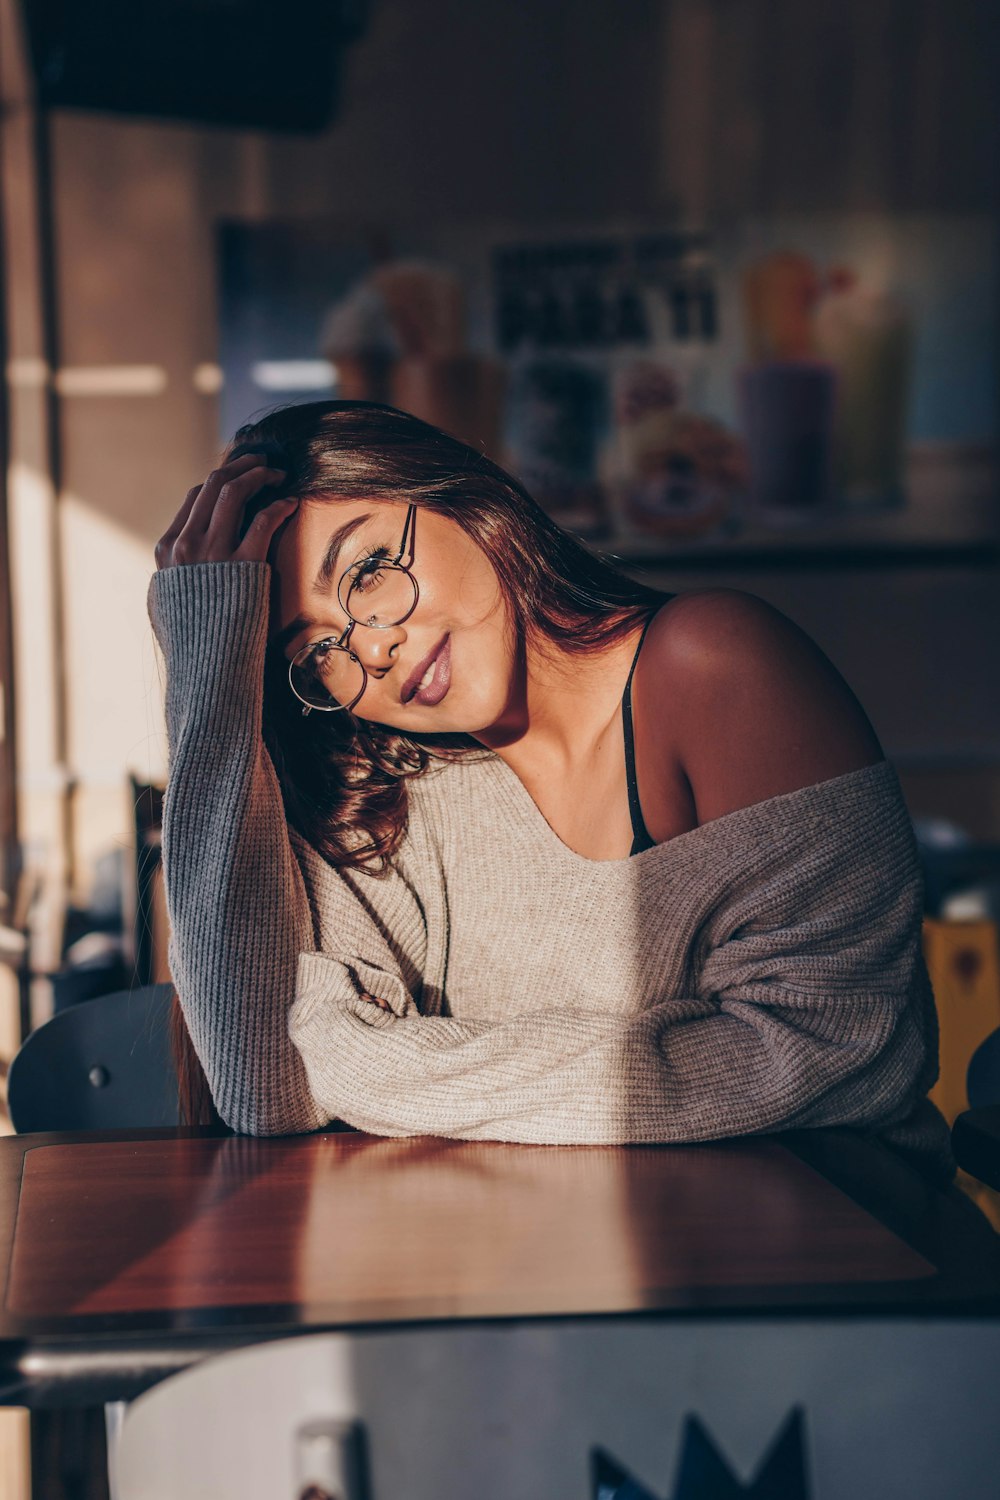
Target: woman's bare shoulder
(745,703)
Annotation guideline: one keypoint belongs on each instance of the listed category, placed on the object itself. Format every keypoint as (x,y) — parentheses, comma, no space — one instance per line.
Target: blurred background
(718,279)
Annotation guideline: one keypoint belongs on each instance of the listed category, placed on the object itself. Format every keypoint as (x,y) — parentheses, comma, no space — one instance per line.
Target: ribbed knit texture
(762,971)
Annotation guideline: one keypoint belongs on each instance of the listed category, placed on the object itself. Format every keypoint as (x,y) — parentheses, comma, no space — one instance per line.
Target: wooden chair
(963,961)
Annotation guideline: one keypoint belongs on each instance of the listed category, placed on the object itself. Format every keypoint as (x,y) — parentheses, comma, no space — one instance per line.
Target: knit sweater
(762,971)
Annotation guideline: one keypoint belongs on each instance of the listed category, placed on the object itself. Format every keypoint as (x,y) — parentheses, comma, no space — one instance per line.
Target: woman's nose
(377,647)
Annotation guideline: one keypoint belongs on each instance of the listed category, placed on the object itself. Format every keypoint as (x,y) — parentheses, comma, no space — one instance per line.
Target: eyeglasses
(376,592)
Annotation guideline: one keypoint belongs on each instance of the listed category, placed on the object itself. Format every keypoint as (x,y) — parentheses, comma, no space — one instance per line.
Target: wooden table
(129,1256)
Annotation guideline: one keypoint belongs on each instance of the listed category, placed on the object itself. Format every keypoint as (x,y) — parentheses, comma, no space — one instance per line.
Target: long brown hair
(344,780)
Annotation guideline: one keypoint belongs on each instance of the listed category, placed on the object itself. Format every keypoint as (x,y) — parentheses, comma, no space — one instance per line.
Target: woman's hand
(382,1004)
(207,526)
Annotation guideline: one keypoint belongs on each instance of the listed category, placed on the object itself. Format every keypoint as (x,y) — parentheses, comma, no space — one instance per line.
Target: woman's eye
(369,573)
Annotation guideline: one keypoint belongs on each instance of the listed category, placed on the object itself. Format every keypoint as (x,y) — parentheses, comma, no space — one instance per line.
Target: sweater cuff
(324,981)
(200,612)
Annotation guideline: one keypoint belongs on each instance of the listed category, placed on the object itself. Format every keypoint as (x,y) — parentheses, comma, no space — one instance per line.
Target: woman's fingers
(199,500)
(206,528)
(164,549)
(200,513)
(223,534)
(177,524)
(374,1000)
(254,546)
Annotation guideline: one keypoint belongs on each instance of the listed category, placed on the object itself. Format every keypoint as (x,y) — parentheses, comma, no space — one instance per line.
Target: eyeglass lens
(377,593)
(327,676)
(373,593)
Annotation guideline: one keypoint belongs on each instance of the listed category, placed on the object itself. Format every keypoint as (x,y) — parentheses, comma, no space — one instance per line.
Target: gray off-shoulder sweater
(762,971)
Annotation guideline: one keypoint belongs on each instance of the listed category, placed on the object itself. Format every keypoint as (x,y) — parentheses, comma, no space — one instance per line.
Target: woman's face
(455,638)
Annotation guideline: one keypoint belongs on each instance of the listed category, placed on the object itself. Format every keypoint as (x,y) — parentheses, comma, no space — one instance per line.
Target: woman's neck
(561,709)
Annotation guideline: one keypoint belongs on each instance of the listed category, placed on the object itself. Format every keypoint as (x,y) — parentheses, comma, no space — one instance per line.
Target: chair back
(445,1411)
(983,1082)
(104,1064)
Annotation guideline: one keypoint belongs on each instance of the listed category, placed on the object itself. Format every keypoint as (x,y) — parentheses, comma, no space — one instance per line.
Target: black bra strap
(640,833)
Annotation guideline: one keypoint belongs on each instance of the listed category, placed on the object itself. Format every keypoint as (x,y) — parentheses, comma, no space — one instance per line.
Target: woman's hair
(344,779)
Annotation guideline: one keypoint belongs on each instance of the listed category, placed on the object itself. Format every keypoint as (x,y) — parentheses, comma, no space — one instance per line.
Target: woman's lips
(440,680)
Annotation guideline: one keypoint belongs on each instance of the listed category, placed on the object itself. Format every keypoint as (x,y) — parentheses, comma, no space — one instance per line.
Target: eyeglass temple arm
(407,530)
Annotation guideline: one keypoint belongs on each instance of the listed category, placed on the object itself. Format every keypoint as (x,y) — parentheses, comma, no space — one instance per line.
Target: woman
(462,891)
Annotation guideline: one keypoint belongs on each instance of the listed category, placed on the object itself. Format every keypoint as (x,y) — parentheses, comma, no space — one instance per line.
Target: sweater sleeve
(238,892)
(809,1006)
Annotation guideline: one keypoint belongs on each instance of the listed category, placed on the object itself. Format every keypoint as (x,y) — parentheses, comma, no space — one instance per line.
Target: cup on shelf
(789,409)
(868,337)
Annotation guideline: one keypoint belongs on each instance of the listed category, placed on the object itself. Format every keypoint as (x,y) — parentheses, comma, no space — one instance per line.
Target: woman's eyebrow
(327,568)
(324,577)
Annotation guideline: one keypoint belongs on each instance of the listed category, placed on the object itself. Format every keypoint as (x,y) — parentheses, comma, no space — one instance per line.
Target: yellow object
(964,964)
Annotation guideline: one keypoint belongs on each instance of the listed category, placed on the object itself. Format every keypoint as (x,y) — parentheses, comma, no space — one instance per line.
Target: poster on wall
(654,391)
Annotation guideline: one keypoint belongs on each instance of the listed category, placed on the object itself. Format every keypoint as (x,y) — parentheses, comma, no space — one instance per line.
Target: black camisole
(640,833)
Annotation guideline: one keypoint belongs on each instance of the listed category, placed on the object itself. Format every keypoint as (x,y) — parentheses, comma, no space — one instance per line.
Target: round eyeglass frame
(340,643)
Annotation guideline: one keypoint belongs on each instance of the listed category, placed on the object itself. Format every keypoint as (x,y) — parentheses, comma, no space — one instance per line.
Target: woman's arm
(239,910)
(810,1007)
